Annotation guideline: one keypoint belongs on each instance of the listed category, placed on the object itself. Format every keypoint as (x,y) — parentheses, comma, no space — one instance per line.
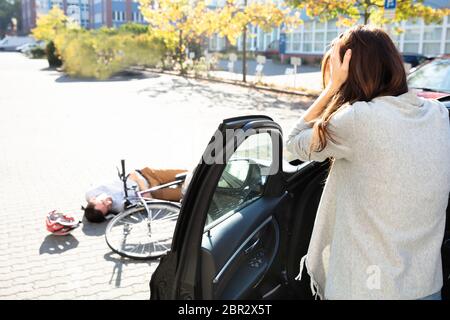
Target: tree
(179,22)
(10,12)
(186,21)
(350,11)
(49,25)
(233,20)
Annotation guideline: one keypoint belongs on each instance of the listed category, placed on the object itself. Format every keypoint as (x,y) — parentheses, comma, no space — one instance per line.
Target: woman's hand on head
(338,69)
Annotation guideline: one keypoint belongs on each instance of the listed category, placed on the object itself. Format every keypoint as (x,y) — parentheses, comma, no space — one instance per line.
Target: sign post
(389,8)
(261,60)
(296,62)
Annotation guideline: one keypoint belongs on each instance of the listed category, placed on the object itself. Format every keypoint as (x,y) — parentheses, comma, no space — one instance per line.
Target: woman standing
(380,222)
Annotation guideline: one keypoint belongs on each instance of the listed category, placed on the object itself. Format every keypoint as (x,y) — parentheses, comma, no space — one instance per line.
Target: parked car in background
(414,59)
(432,79)
(28,47)
(10,43)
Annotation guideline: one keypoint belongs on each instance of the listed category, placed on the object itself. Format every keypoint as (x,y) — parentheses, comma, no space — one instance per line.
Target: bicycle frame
(139,194)
(144,200)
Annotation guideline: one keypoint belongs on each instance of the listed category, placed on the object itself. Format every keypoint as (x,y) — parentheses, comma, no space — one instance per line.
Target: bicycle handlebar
(124,179)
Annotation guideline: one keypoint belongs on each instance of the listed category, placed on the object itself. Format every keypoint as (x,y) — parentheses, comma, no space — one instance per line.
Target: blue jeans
(434,296)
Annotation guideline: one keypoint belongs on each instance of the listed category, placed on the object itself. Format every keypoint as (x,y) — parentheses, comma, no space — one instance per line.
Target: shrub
(37,53)
(102,53)
(52,56)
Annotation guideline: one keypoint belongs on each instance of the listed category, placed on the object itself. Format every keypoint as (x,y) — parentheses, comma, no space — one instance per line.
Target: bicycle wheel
(138,234)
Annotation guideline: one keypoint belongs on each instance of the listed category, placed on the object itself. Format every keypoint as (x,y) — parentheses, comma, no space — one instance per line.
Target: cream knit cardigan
(380,222)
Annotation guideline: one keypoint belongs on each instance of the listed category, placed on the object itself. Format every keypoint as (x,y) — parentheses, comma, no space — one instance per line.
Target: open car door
(227,235)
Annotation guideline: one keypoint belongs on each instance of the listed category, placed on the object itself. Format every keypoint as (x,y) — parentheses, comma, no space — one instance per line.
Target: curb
(238,83)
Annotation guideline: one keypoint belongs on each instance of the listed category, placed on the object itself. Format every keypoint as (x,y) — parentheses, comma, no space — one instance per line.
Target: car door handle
(252,246)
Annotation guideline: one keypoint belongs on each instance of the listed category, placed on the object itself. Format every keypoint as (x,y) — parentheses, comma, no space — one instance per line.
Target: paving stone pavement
(60,136)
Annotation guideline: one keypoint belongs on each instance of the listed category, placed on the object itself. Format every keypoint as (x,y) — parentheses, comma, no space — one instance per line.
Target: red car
(432,79)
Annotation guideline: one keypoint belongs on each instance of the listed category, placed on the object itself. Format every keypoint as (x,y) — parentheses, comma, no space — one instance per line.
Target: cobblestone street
(60,136)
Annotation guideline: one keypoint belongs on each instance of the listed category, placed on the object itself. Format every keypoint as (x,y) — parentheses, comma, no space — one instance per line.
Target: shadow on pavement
(49,69)
(93,229)
(57,244)
(257,99)
(119,263)
(121,76)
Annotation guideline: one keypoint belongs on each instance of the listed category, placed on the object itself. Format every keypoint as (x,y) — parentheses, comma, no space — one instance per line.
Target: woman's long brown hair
(376,69)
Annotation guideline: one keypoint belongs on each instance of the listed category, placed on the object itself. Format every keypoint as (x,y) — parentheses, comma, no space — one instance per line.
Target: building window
(296,41)
(118,16)
(432,33)
(137,16)
(308,36)
(331,35)
(213,42)
(432,36)
(411,47)
(412,34)
(431,48)
(98,18)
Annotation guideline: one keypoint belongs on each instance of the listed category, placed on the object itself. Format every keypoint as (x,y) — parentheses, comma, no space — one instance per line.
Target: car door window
(243,178)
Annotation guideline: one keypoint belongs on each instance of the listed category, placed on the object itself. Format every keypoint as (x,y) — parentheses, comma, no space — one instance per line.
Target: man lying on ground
(110,199)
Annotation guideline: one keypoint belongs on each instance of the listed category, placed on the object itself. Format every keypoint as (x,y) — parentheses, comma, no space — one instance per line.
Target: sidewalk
(61,136)
(308,78)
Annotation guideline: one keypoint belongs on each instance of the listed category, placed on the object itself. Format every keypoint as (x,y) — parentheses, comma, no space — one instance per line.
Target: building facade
(312,38)
(114,13)
(77,10)
(91,14)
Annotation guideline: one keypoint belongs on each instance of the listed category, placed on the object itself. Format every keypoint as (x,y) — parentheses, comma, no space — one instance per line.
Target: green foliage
(37,53)
(348,12)
(134,28)
(102,53)
(49,25)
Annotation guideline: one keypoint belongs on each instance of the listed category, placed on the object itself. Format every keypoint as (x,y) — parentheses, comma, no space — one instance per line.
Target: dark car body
(252,252)
(272,50)
(414,59)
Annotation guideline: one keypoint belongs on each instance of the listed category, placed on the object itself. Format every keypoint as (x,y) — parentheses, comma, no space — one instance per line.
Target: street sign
(259,68)
(389,9)
(296,61)
(232,57)
(289,71)
(230,66)
(192,55)
(261,59)
(389,14)
(390,4)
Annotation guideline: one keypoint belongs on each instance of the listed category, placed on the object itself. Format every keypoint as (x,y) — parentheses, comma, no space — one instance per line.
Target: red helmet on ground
(60,224)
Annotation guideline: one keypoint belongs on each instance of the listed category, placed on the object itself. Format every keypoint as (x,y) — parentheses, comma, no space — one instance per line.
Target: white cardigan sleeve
(341,128)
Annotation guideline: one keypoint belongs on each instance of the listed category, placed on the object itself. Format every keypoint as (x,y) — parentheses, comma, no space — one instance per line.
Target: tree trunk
(366,16)
(181,52)
(244,55)
(244,51)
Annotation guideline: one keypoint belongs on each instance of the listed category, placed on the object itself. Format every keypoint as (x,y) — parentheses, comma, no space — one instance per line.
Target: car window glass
(243,178)
(434,76)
